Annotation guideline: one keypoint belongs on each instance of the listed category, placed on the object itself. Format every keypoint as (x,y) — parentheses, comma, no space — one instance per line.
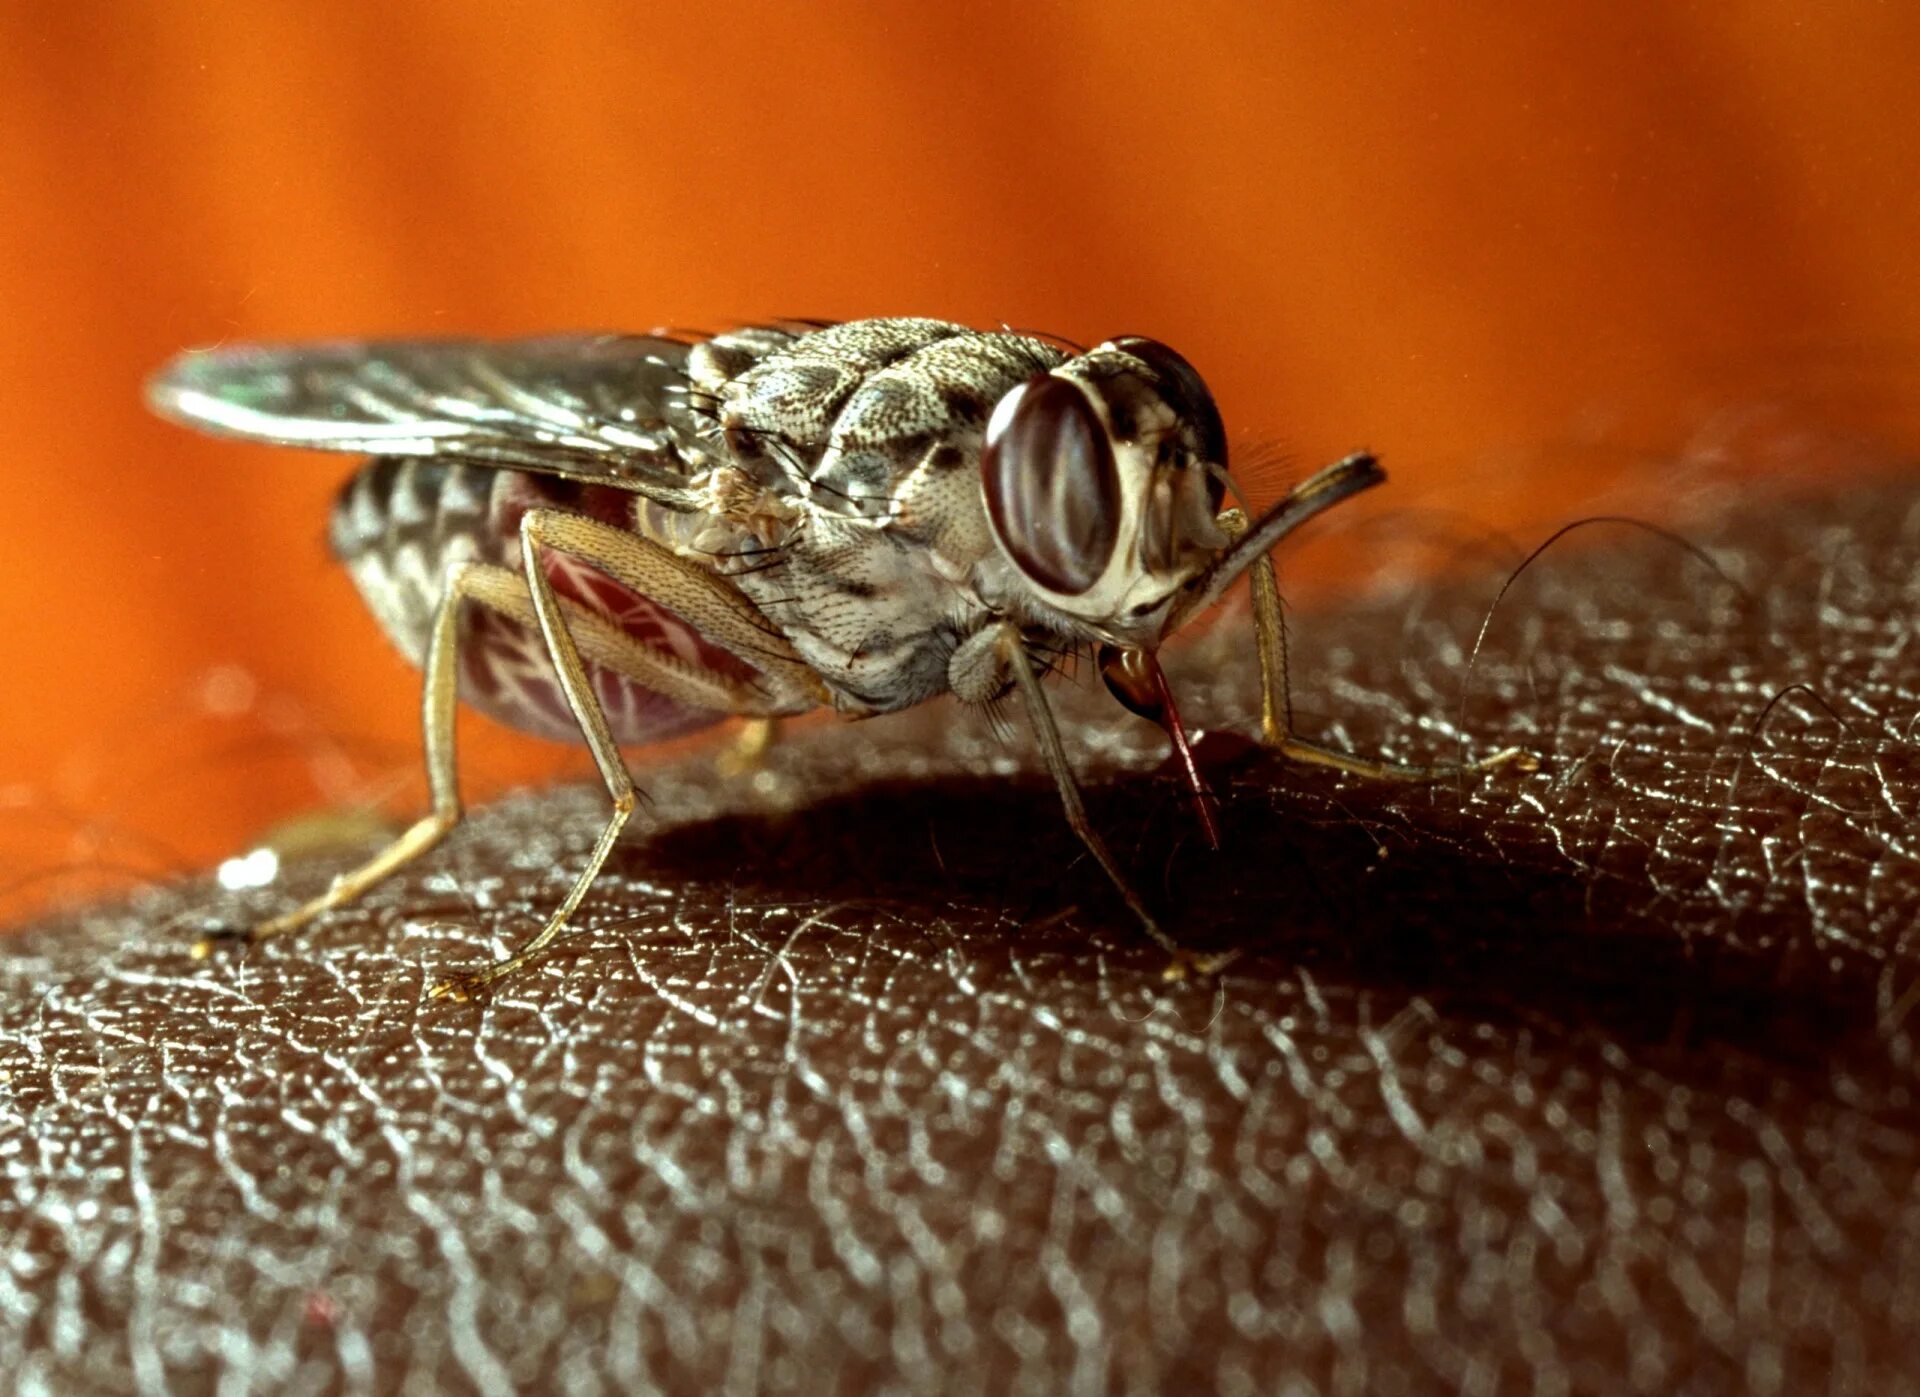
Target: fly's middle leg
(592,718)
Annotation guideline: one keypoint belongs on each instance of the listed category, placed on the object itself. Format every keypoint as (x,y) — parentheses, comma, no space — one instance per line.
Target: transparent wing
(594,407)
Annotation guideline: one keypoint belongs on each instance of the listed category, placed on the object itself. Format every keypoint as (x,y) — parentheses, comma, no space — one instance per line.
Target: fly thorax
(786,412)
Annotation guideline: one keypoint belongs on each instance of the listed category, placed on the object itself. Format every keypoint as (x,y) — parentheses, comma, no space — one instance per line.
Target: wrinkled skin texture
(1595,1079)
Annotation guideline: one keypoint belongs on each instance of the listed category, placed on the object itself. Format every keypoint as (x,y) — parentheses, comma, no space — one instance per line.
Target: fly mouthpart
(1135,678)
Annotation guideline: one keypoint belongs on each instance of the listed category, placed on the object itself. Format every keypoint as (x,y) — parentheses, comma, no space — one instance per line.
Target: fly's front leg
(439,690)
(1270,640)
(1276,699)
(1013,656)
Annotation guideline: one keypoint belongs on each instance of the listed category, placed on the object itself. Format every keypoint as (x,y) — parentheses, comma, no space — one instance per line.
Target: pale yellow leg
(1013,654)
(695,594)
(1270,639)
(569,632)
(439,691)
(1276,702)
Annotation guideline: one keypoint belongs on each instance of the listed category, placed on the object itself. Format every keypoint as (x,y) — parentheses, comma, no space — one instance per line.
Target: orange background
(1514,249)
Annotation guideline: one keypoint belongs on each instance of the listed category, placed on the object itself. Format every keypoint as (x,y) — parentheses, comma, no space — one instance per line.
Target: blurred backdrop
(1543,259)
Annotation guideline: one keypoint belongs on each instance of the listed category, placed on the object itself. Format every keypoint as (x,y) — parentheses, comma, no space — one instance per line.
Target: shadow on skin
(1360,884)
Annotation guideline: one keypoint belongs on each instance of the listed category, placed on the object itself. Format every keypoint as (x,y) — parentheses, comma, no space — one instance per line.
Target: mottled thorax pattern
(874,429)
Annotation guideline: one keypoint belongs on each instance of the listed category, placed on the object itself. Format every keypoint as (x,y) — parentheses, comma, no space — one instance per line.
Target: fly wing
(604,408)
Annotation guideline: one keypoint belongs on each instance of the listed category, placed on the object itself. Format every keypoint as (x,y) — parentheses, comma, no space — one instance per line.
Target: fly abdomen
(399,524)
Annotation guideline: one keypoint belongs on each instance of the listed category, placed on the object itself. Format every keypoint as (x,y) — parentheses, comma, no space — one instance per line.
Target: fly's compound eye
(1052,489)
(1189,396)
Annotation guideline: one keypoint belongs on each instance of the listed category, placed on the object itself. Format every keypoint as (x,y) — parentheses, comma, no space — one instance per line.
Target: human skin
(856,1076)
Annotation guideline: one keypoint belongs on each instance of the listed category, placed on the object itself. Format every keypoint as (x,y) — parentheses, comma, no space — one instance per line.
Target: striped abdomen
(400,525)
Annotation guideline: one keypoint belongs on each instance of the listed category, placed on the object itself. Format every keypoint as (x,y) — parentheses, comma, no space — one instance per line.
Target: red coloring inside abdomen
(507,674)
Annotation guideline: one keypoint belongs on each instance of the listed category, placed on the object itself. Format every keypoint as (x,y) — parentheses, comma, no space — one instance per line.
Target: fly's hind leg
(705,601)
(723,616)
(439,690)
(1276,702)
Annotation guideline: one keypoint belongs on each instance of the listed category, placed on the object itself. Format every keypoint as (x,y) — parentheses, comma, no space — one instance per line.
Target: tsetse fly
(623,538)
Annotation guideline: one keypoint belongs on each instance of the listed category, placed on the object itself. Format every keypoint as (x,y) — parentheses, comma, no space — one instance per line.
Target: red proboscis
(1203,798)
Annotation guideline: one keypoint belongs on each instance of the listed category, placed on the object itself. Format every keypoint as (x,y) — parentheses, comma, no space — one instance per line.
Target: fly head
(1103,481)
